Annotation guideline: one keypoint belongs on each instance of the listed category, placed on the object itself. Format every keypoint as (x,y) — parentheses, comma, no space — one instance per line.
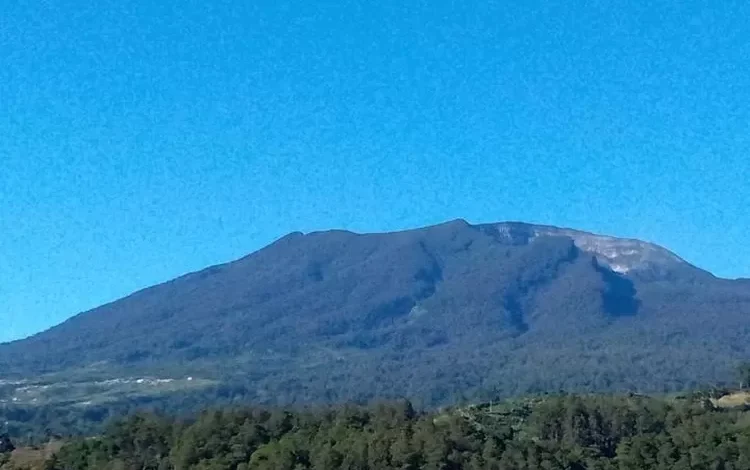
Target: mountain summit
(428,313)
(619,254)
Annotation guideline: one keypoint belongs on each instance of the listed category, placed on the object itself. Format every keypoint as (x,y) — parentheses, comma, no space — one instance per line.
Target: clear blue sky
(140,140)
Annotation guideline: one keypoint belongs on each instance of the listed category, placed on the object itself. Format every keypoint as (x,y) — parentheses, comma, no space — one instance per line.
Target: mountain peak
(622,255)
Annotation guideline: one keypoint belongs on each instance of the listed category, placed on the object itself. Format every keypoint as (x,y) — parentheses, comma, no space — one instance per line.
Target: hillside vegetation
(553,432)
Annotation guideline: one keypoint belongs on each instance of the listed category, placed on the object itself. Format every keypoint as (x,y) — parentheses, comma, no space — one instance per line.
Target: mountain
(433,313)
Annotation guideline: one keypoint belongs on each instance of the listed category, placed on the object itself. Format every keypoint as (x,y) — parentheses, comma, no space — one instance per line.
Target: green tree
(743,374)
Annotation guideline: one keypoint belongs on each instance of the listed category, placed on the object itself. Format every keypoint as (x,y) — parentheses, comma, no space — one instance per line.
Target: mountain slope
(429,313)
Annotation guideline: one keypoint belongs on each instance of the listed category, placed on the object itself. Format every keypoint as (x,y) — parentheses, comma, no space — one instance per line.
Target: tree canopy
(552,432)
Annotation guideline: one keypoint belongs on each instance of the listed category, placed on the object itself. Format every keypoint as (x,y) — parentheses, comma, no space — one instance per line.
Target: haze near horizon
(140,141)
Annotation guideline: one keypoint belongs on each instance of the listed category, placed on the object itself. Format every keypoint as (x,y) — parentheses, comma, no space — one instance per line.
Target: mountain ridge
(584,239)
(391,306)
(533,230)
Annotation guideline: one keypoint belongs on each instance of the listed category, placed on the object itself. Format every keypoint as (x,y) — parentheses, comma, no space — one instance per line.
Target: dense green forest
(547,432)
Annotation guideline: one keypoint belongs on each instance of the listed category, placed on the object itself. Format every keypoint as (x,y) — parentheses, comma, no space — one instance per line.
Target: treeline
(562,432)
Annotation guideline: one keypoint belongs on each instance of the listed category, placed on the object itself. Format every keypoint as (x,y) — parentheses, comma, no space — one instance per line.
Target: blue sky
(141,140)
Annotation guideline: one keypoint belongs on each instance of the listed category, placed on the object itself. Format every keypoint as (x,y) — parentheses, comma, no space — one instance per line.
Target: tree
(6,445)
(743,374)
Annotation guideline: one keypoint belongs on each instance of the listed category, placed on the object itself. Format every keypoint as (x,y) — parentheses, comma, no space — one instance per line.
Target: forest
(597,432)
